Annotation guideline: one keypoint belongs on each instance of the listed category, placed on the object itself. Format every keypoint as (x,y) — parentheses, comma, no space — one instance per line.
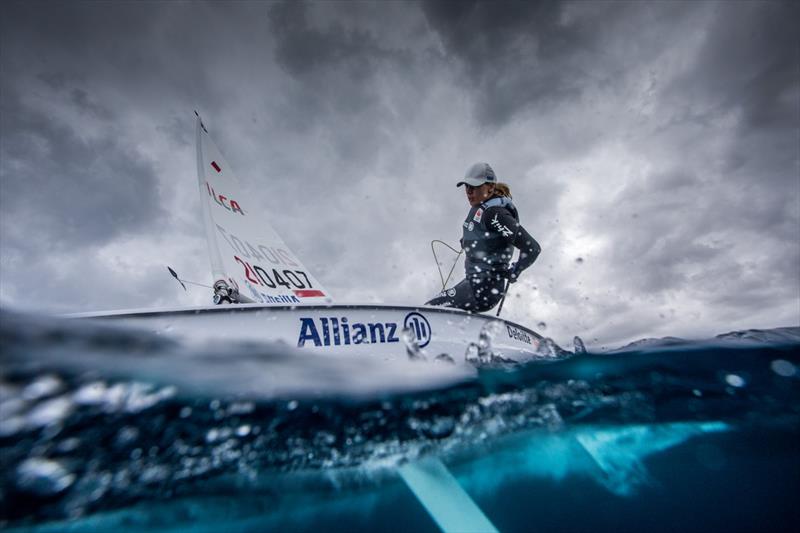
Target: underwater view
(104,428)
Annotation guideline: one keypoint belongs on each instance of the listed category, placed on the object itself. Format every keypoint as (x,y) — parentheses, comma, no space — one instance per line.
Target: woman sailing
(491,232)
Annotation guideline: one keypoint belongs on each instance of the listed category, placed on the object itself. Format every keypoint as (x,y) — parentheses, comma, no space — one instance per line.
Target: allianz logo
(342,331)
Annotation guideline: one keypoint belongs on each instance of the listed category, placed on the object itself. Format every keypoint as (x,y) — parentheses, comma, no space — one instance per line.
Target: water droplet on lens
(443,357)
(541,325)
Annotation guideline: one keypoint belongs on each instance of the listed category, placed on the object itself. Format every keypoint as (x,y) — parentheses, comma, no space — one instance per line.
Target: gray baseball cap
(477,175)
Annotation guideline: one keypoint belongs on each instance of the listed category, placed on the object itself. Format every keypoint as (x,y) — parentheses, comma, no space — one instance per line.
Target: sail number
(260,276)
(277,256)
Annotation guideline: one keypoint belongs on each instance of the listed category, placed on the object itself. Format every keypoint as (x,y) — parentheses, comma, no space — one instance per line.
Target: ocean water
(105,429)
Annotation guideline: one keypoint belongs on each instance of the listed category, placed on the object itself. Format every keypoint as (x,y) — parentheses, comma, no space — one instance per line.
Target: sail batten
(244,249)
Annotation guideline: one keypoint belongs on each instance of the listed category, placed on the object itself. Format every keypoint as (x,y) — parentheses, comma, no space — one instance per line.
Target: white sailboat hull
(369,330)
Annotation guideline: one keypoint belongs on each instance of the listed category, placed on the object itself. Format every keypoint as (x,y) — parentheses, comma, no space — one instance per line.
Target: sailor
(491,232)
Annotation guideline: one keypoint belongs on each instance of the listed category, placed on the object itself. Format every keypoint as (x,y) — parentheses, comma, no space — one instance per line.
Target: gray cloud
(62,189)
(301,48)
(748,62)
(504,51)
(519,57)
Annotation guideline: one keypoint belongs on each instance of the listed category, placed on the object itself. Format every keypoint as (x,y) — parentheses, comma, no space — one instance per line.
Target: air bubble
(43,476)
(783,368)
(735,381)
(50,412)
(126,436)
(43,386)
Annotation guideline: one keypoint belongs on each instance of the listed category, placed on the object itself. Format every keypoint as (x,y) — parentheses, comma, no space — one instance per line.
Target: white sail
(245,251)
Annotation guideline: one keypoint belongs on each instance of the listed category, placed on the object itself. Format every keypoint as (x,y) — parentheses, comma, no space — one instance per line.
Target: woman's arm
(507,226)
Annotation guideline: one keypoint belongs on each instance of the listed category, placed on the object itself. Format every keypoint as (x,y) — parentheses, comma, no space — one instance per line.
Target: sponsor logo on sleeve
(478,215)
(501,228)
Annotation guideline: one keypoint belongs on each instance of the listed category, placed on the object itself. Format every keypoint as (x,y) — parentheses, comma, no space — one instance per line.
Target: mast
(217,266)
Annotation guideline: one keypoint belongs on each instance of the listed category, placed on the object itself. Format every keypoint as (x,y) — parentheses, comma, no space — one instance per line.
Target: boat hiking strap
(438,265)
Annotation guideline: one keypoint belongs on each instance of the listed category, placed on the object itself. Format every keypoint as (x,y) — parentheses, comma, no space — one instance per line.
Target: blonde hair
(502,189)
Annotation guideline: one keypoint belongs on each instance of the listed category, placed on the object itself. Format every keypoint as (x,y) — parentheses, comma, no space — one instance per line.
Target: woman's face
(481,193)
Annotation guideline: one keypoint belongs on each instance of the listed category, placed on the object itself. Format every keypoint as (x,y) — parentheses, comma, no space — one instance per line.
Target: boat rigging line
(182,281)
(438,266)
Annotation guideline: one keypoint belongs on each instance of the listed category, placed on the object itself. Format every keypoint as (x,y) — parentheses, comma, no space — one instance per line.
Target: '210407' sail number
(260,276)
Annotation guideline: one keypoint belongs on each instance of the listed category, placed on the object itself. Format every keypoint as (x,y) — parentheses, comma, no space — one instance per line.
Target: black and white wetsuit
(491,232)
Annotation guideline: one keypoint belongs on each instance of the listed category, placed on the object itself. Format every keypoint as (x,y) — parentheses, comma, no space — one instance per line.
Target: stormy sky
(652,149)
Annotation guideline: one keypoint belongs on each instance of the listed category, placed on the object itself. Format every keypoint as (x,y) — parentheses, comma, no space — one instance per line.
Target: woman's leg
(460,296)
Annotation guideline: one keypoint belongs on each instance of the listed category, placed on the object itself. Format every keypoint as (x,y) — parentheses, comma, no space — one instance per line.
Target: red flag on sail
(216,166)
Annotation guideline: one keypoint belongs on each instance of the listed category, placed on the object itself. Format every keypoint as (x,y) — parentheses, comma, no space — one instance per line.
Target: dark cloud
(302,48)
(725,200)
(520,56)
(335,65)
(748,63)
(75,36)
(747,72)
(503,49)
(339,79)
(157,50)
(64,188)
